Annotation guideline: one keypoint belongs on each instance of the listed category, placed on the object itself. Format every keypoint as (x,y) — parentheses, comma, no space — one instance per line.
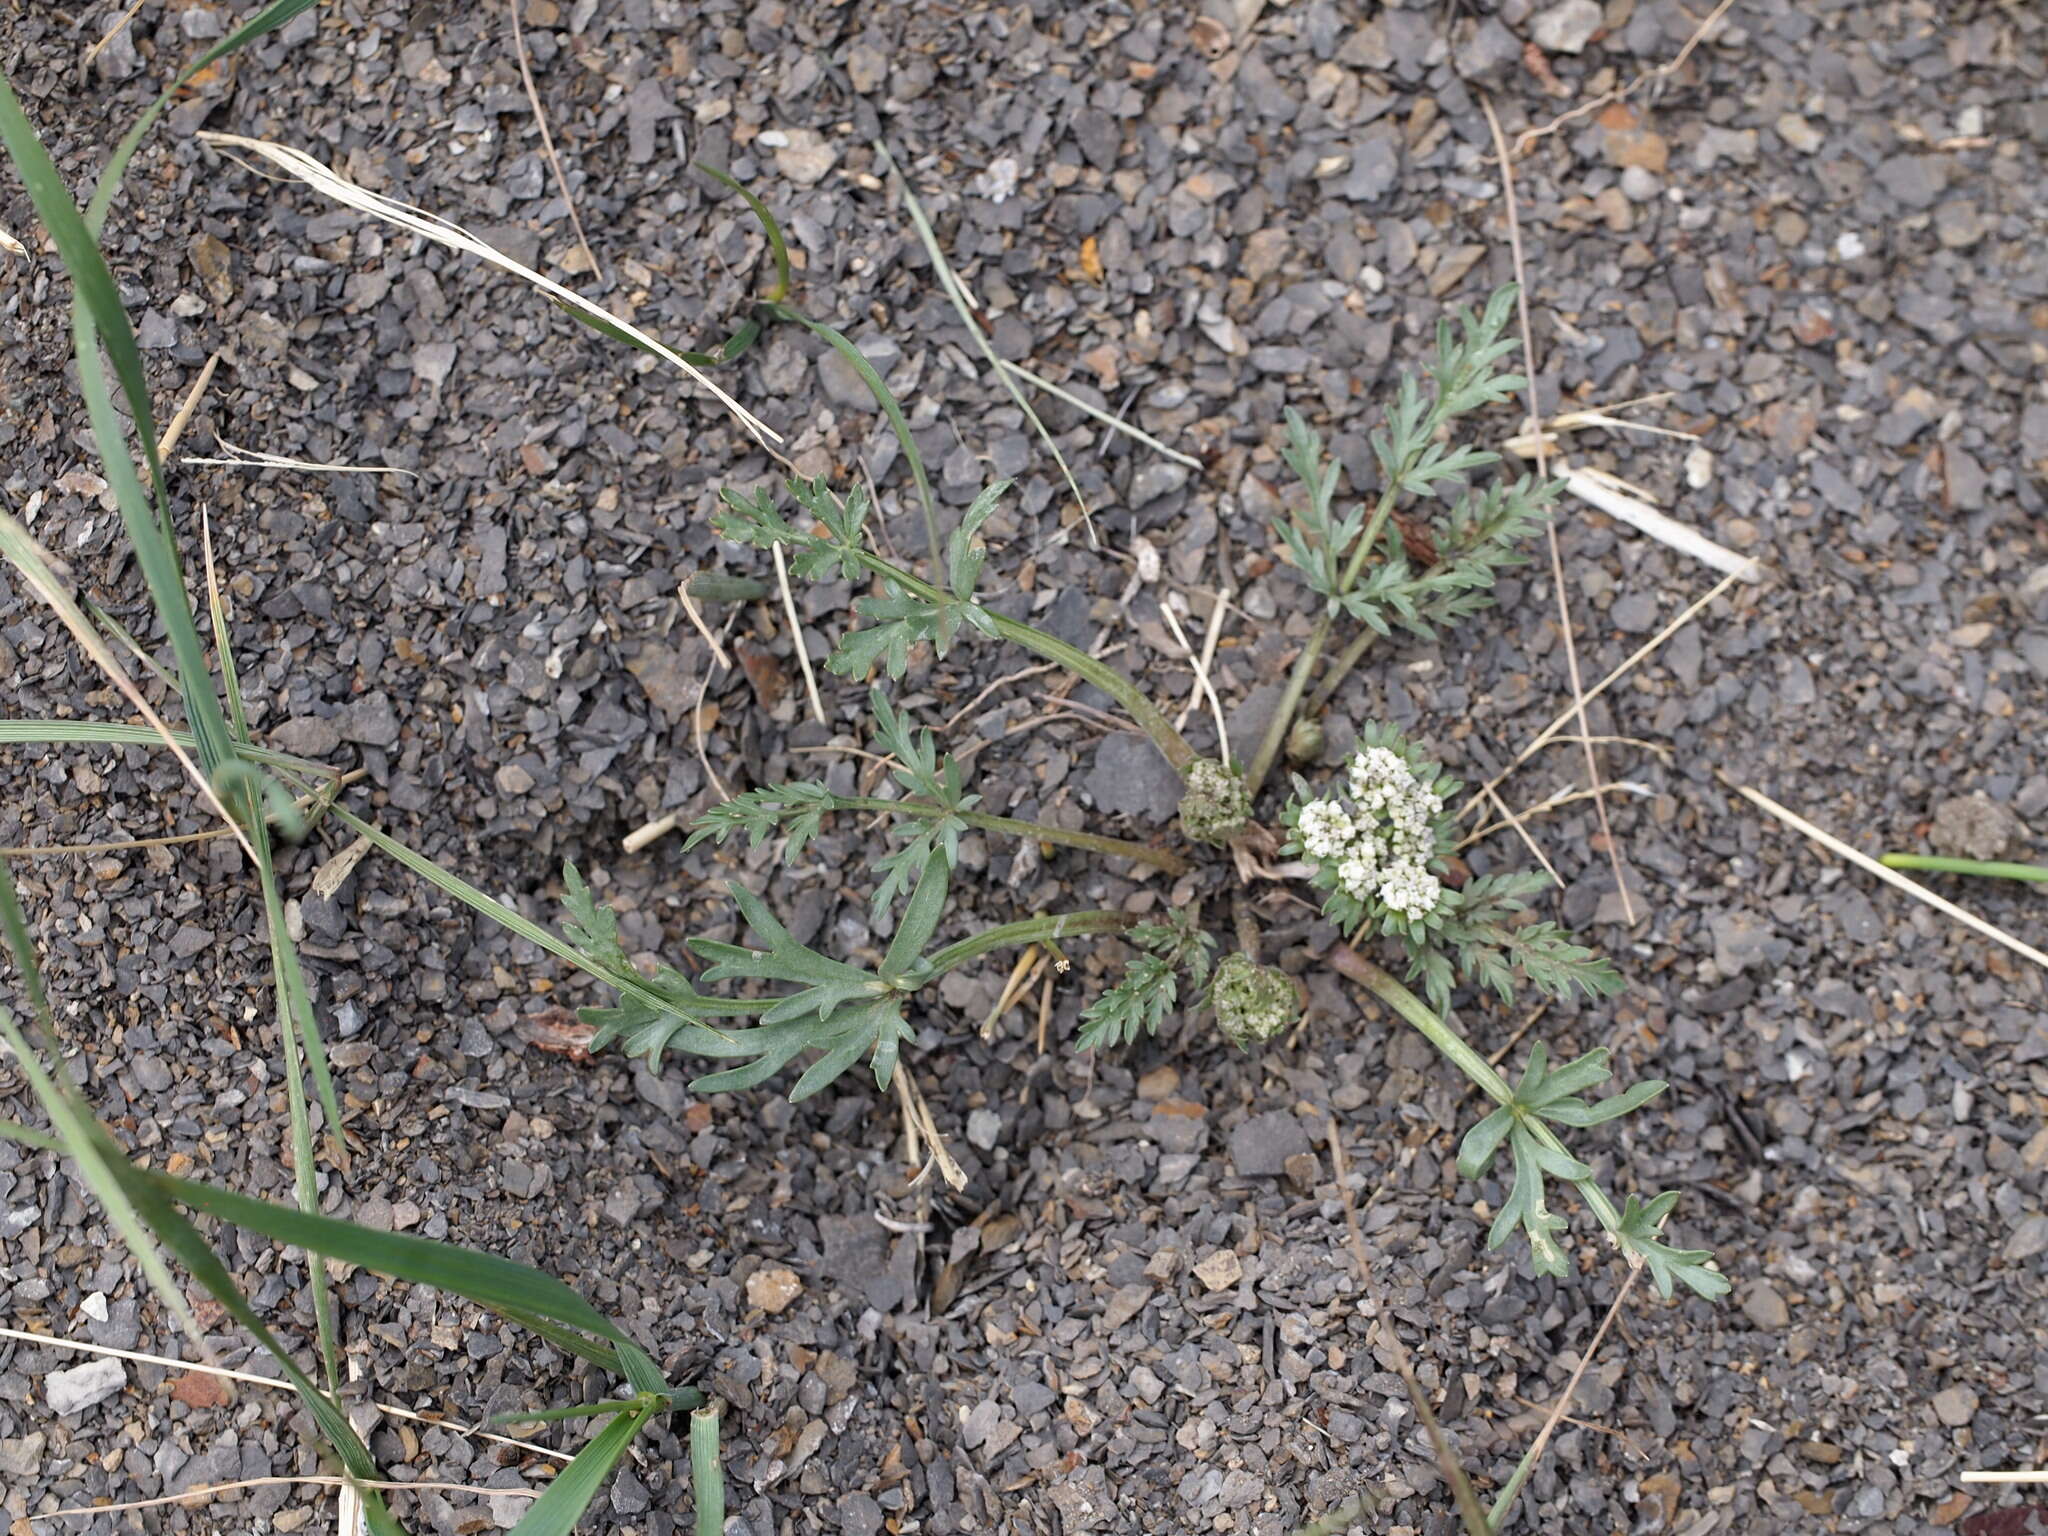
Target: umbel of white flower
(1380,842)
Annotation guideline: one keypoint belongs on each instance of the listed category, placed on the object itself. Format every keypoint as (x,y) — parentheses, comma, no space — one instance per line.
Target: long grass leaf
(25,555)
(777,246)
(520,924)
(298,1029)
(98,317)
(152,1198)
(556,1512)
(484,1278)
(707,1476)
(117,733)
(71,1120)
(265,21)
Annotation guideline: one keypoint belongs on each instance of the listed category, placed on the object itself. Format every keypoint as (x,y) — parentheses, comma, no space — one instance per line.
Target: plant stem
(1340,668)
(1172,745)
(1283,714)
(563,1415)
(1348,962)
(707,1477)
(1297,682)
(1045,930)
(1947,866)
(1036,831)
(1504,1501)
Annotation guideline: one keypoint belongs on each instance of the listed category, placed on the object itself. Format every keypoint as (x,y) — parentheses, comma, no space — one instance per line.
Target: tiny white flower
(1356,874)
(1410,889)
(1326,829)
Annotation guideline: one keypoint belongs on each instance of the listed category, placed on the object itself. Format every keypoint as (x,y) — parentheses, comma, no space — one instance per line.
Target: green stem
(1172,745)
(563,1415)
(1340,668)
(305,1174)
(1283,714)
(1348,962)
(857,360)
(1034,831)
(1030,930)
(1304,666)
(707,1478)
(1948,866)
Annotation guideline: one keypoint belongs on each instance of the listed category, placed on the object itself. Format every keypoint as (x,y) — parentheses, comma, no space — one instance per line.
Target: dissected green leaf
(893,624)
(796,811)
(898,422)
(920,919)
(1691,1267)
(964,550)
(1476,1151)
(1150,985)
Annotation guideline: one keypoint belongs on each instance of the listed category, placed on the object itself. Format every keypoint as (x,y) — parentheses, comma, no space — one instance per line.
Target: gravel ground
(1823,238)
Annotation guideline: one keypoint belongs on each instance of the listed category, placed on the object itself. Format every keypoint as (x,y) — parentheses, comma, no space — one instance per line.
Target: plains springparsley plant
(1421,555)
(1380,844)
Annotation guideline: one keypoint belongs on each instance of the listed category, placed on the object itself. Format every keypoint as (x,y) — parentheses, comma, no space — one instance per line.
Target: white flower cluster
(1381,842)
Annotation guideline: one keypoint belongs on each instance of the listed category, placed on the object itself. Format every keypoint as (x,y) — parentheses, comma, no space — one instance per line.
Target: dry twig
(1891,877)
(1564,610)
(547,139)
(1551,731)
(1622,93)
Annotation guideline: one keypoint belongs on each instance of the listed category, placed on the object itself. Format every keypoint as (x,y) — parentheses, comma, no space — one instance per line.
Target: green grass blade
(68,1114)
(707,1477)
(484,1278)
(183,1240)
(152,1198)
(898,423)
(267,20)
(75,1137)
(298,1028)
(1939,864)
(231,682)
(118,733)
(116,631)
(299,1035)
(556,1512)
(597,1351)
(516,922)
(777,246)
(563,1415)
(21,945)
(504,916)
(949,280)
(735,344)
(97,314)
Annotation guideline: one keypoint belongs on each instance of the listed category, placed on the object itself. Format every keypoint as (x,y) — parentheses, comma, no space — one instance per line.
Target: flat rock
(1221,1270)
(773,1289)
(1566,27)
(370,720)
(305,736)
(1764,1307)
(1915,180)
(1955,1406)
(1261,1145)
(1130,778)
(804,156)
(1973,826)
(82,1386)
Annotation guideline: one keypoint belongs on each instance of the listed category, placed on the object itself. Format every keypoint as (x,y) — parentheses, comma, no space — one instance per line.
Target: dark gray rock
(1131,778)
(1261,1145)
